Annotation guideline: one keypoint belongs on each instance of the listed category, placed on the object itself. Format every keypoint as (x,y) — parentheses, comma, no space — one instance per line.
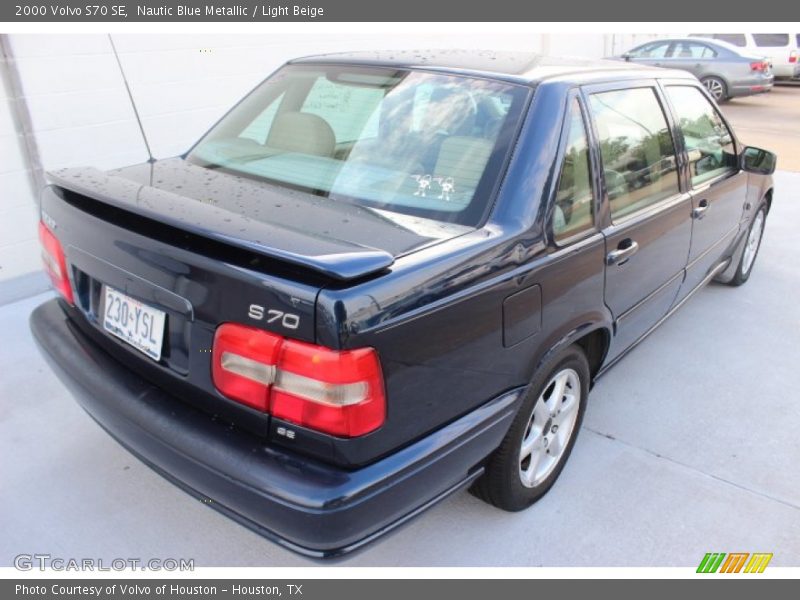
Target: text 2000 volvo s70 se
(377,281)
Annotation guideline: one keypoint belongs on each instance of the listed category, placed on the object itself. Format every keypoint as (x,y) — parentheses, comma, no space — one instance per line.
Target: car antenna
(150,158)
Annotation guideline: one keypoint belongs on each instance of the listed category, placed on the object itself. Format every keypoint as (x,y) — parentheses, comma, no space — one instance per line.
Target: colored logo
(735,562)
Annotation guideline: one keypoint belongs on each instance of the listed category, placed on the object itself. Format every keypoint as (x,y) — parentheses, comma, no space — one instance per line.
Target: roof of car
(699,39)
(517,67)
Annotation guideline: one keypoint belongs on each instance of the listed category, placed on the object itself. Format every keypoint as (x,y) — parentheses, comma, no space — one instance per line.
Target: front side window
(709,143)
(656,50)
(387,139)
(636,148)
(771,40)
(574,206)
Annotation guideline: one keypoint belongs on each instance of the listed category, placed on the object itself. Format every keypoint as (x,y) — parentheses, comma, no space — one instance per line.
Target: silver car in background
(782,49)
(724,69)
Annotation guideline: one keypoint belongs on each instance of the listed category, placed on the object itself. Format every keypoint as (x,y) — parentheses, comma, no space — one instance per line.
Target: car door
(695,57)
(718,187)
(647,218)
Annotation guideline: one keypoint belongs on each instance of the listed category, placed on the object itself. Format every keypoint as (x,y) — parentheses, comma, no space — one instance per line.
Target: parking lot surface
(770,121)
(689,446)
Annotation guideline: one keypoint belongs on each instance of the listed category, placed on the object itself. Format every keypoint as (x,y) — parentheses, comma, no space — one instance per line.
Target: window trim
(737,147)
(653,85)
(573,95)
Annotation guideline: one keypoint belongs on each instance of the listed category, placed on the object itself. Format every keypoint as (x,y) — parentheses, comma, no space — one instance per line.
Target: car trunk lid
(335,239)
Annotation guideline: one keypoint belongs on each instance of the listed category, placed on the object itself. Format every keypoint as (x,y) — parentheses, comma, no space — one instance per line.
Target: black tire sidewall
(507,491)
(741,276)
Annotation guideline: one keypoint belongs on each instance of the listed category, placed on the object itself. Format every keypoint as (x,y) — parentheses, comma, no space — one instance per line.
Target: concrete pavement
(770,121)
(689,446)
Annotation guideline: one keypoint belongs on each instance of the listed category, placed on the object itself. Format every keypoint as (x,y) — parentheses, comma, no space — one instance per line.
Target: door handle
(700,209)
(625,249)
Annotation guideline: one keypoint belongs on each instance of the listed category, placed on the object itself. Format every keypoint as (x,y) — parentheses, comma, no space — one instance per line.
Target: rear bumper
(757,85)
(310,507)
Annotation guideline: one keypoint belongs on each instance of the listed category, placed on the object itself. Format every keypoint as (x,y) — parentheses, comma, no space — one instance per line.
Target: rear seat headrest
(302,132)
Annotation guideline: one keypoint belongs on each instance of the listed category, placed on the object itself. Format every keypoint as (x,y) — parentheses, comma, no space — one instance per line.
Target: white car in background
(782,49)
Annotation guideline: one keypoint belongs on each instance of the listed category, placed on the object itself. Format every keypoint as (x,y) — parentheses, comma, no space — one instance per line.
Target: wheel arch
(594,338)
(768,199)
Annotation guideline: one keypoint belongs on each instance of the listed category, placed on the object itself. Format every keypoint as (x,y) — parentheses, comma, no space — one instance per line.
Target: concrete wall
(80,112)
(19,252)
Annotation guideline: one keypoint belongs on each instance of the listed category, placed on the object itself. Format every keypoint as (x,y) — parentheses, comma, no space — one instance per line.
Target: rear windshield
(771,40)
(405,141)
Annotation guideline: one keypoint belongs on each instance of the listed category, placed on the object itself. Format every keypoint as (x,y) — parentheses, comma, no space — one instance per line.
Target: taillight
(761,65)
(243,366)
(793,57)
(336,392)
(55,262)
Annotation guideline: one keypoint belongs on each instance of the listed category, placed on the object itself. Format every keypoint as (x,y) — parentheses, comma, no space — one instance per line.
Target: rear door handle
(700,209)
(625,249)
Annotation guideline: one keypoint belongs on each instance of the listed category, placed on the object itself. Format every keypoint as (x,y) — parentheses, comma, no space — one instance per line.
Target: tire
(512,481)
(716,87)
(752,245)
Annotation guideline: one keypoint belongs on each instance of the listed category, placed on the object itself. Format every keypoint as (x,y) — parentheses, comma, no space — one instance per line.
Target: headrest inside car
(302,132)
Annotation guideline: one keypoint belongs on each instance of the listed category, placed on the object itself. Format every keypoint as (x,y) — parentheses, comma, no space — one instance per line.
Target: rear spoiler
(328,256)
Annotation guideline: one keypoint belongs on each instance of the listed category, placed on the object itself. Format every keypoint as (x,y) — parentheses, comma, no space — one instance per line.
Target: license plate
(134,322)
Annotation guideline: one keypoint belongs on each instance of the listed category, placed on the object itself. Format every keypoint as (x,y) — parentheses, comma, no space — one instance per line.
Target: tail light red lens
(243,364)
(761,65)
(55,262)
(793,57)
(336,392)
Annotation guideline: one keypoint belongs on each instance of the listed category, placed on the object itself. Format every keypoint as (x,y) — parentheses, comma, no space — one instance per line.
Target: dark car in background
(725,70)
(382,278)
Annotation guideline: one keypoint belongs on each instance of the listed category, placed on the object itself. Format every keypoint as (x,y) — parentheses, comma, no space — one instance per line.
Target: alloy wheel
(715,87)
(550,428)
(753,241)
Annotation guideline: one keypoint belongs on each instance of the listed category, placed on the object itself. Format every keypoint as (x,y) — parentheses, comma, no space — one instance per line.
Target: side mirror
(756,160)
(626,56)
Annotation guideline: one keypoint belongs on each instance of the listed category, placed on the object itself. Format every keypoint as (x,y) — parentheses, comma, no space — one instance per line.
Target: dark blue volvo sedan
(382,278)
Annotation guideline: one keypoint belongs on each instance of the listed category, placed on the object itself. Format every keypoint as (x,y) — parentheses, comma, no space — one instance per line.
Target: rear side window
(737,39)
(709,143)
(771,40)
(574,207)
(636,148)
